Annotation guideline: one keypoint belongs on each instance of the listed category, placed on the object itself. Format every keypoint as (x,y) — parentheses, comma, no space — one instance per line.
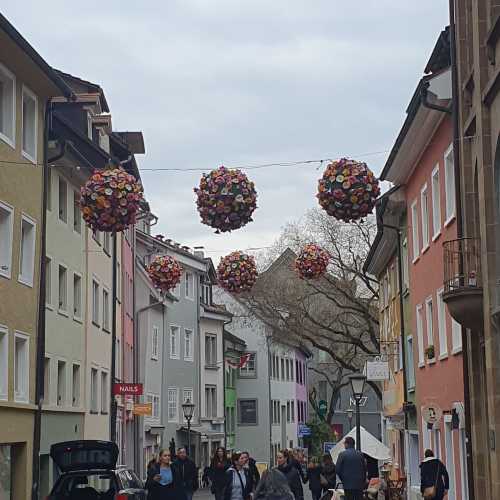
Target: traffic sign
(327,447)
(127,389)
(304,430)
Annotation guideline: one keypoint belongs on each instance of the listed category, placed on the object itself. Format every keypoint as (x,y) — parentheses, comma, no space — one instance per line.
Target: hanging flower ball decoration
(110,200)
(165,272)
(237,272)
(312,262)
(226,199)
(348,190)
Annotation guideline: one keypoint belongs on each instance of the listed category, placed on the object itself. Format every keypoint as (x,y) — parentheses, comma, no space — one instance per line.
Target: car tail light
(121,496)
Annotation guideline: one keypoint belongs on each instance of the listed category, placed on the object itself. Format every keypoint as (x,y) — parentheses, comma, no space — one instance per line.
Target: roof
(217,309)
(233,338)
(441,54)
(134,141)
(22,43)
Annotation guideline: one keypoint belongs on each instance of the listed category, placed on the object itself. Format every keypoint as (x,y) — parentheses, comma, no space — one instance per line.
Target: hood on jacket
(429,459)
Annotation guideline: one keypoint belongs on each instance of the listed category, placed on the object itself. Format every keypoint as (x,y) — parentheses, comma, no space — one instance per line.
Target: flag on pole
(240,362)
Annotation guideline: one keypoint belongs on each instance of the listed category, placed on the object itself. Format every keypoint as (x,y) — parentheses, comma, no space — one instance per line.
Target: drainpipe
(223,374)
(113,401)
(268,340)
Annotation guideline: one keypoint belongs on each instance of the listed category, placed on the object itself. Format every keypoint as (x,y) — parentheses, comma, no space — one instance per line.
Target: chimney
(198,252)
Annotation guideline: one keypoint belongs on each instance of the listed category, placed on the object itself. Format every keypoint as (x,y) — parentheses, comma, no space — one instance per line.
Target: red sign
(127,389)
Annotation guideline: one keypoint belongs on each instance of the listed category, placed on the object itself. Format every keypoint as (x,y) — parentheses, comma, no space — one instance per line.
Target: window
(291,370)
(27,254)
(449,184)
(424,208)
(414,231)
(420,336)
(411,367)
(210,401)
(456,336)
(249,369)
(187,396)
(404,258)
(436,203)
(77,296)
(247,411)
(155,342)
(61,383)
(287,368)
(77,215)
(104,392)
(63,289)
(93,390)
(156,406)
(46,380)
(105,310)
(429,319)
(292,406)
(188,279)
(6,231)
(48,281)
(288,412)
(7,106)
(63,200)
(95,302)
(441,316)
(106,243)
(4,361)
(282,369)
(188,345)
(21,367)
(30,115)
(76,386)
(174,342)
(210,350)
(173,394)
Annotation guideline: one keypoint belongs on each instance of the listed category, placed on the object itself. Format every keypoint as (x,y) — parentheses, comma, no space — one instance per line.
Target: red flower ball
(110,200)
(348,190)
(165,272)
(237,272)
(312,262)
(226,199)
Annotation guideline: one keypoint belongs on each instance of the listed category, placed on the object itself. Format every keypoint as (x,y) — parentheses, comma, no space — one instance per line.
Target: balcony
(463,290)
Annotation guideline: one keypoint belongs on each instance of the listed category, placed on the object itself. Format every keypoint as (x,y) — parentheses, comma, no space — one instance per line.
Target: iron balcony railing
(462,264)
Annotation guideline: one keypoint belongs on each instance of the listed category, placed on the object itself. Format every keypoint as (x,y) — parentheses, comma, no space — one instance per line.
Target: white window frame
(28,92)
(62,209)
(94,403)
(27,280)
(77,215)
(177,329)
(188,353)
(424,214)
(411,363)
(62,309)
(7,273)
(441,315)
(211,395)
(155,342)
(187,276)
(436,203)
(211,341)
(456,337)
(244,372)
(429,323)
(449,183)
(96,302)
(106,243)
(48,282)
(414,231)
(187,391)
(24,396)
(63,392)
(105,384)
(106,312)
(76,402)
(420,334)
(11,141)
(404,252)
(4,363)
(170,391)
(77,317)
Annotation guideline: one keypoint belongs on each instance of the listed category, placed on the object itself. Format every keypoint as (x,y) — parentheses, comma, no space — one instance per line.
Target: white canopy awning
(370,446)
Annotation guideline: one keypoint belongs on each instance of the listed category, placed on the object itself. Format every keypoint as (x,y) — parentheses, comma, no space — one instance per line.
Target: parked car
(89,472)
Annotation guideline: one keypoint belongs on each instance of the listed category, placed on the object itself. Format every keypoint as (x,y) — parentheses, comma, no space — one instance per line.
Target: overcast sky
(242,82)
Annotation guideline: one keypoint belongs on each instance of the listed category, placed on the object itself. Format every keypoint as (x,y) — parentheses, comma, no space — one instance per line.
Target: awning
(370,446)
(185,429)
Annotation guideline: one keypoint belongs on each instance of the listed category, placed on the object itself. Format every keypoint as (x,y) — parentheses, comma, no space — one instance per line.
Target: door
(413,460)
(450,459)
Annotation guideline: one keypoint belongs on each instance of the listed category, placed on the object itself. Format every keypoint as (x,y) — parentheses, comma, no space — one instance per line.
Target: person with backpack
(238,482)
(434,480)
(217,473)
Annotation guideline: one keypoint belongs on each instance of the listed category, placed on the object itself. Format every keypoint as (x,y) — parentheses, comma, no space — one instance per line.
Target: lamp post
(357,386)
(188,410)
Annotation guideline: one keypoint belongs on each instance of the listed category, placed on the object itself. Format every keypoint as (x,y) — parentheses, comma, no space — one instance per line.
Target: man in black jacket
(351,468)
(188,473)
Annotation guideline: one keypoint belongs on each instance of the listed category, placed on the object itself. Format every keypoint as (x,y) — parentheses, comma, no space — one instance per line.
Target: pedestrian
(163,481)
(351,469)
(188,473)
(329,473)
(291,474)
(297,459)
(238,486)
(434,480)
(251,466)
(217,473)
(273,485)
(313,477)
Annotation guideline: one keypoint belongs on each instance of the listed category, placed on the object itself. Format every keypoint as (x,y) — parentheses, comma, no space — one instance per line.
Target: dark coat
(433,472)
(158,492)
(313,476)
(188,474)
(293,478)
(253,472)
(351,468)
(229,484)
(330,475)
(299,468)
(217,475)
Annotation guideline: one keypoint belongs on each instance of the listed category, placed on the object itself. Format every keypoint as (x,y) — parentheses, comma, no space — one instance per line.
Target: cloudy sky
(239,82)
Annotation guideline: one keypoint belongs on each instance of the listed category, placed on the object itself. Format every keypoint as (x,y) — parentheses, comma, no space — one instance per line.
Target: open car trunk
(84,455)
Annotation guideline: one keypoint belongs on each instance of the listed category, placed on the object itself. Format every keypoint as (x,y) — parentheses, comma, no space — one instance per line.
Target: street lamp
(188,410)
(357,385)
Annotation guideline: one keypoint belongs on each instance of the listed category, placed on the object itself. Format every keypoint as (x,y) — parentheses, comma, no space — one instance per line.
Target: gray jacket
(351,468)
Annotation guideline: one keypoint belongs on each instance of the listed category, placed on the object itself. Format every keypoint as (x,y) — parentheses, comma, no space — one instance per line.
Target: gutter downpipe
(460,234)
(224,378)
(268,341)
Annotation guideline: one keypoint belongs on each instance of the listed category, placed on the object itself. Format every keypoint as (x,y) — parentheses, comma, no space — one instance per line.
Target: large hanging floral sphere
(237,272)
(110,200)
(348,190)
(226,199)
(312,262)
(165,272)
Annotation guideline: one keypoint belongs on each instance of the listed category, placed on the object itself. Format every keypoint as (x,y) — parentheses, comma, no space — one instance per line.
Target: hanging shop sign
(127,389)
(432,413)
(143,409)
(377,370)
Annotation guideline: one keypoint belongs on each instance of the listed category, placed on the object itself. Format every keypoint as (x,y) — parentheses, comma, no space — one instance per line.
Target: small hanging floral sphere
(226,199)
(165,272)
(312,262)
(348,190)
(237,272)
(110,200)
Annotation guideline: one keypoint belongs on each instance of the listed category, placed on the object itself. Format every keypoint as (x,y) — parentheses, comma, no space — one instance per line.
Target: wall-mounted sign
(432,413)
(362,401)
(143,409)
(377,370)
(127,389)
(327,447)
(304,430)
